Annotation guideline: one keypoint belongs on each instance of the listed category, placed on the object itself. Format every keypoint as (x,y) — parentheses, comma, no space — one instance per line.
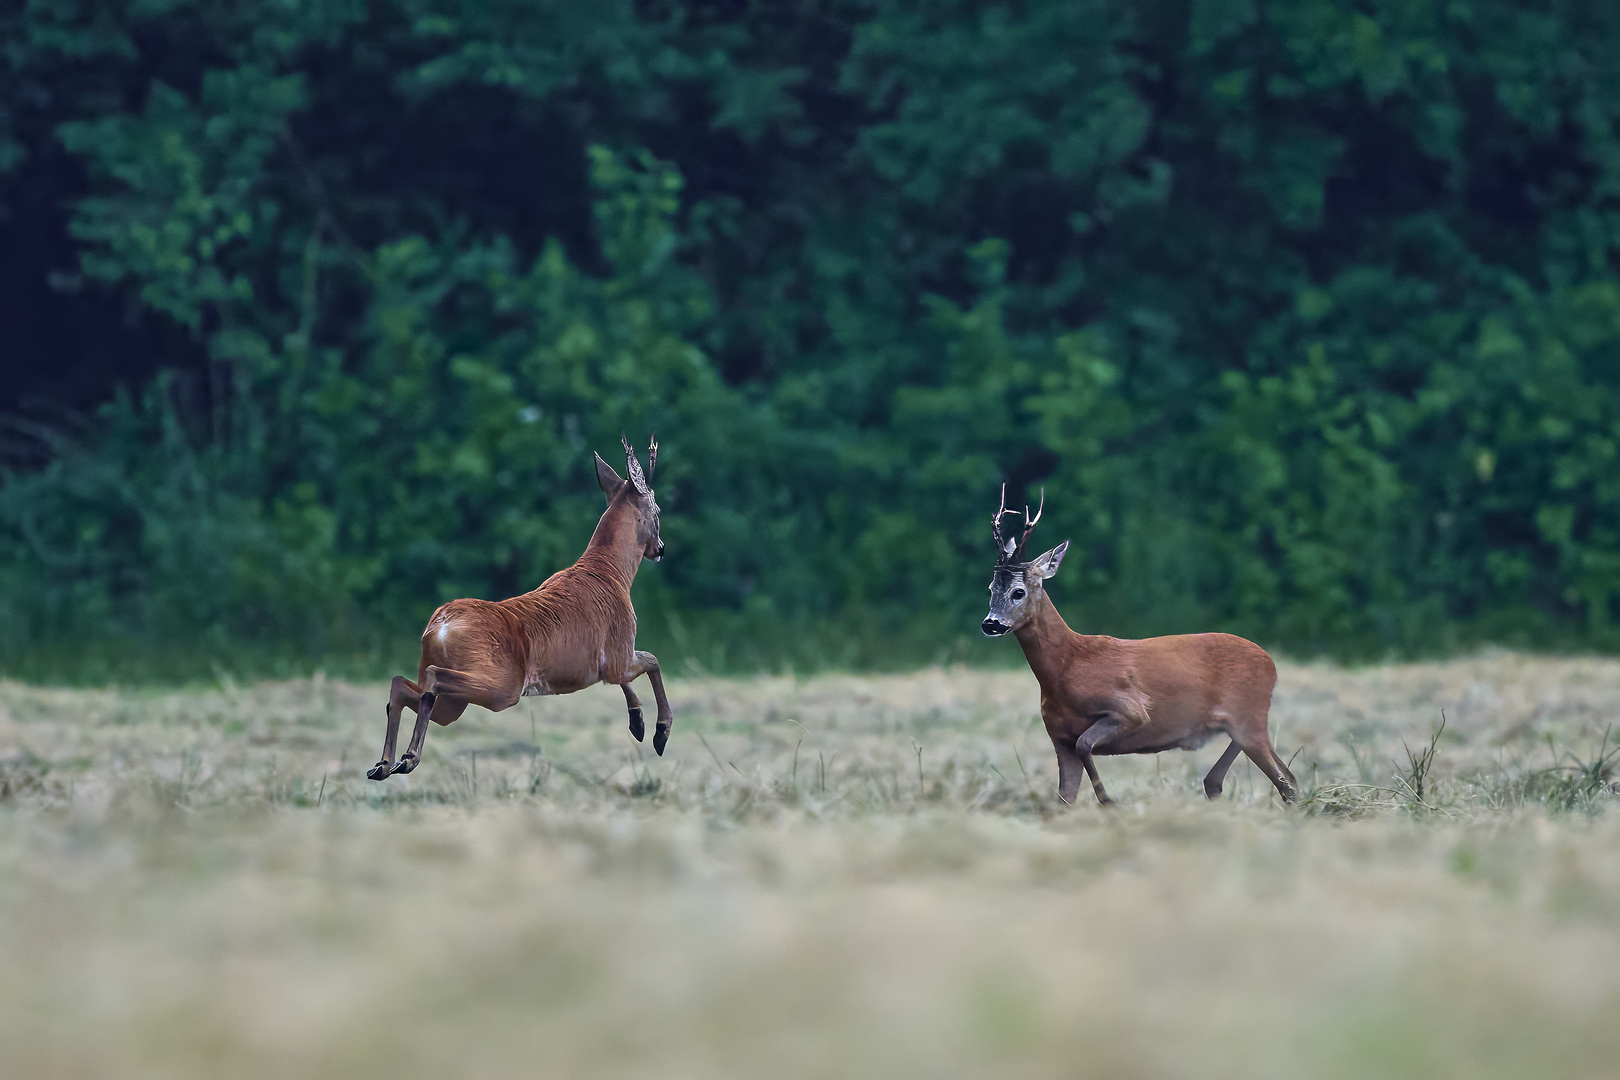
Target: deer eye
(1018,594)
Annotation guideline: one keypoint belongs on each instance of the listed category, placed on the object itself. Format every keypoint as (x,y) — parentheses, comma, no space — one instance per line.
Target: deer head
(637,493)
(1016,585)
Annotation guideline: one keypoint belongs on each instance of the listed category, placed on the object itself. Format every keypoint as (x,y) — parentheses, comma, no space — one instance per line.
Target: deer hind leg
(1275,770)
(446,693)
(442,709)
(633,703)
(1217,775)
(402,694)
(413,753)
(1257,745)
(645,663)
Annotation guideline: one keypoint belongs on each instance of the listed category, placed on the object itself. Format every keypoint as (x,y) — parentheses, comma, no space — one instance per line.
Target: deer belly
(1154,742)
(557,681)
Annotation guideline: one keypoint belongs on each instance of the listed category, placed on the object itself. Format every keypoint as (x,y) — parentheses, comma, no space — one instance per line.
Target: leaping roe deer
(577,629)
(1102,695)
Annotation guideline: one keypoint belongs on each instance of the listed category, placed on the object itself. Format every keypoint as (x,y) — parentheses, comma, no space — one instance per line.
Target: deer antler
(1004,545)
(637,478)
(1029,525)
(652,455)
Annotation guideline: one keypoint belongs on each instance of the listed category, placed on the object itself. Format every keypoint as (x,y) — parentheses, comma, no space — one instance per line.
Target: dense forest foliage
(1304,313)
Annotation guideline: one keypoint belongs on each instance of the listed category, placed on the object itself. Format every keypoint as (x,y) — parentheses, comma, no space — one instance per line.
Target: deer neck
(1046,640)
(614,541)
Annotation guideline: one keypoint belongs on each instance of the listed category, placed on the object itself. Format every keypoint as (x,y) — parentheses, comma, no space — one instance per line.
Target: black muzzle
(993,627)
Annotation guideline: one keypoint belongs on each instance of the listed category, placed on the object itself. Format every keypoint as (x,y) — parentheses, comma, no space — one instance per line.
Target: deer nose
(992,626)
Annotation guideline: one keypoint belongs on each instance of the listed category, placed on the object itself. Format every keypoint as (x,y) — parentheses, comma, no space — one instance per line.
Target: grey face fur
(654,548)
(1016,588)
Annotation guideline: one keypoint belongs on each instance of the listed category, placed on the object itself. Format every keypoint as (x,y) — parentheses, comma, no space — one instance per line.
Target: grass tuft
(1413,786)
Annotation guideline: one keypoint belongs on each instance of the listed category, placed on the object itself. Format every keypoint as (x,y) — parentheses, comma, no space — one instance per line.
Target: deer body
(1102,695)
(577,629)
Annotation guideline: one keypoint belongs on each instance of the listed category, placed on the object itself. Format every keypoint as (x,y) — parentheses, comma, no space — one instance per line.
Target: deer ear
(1047,565)
(609,480)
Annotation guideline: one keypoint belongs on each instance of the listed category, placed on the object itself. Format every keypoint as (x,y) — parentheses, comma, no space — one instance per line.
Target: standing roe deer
(1101,695)
(577,629)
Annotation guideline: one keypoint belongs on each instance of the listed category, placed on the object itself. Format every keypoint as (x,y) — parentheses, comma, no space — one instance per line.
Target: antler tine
(995,522)
(652,455)
(637,477)
(1039,510)
(1030,523)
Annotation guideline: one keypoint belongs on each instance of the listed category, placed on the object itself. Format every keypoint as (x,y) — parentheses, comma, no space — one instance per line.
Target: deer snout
(658,552)
(993,627)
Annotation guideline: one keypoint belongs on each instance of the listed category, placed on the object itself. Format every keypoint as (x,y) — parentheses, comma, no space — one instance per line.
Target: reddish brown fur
(1102,695)
(577,629)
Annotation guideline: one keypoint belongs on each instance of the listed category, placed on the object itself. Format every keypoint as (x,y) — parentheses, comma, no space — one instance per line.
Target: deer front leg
(1217,775)
(401,693)
(1070,769)
(633,703)
(1104,727)
(645,663)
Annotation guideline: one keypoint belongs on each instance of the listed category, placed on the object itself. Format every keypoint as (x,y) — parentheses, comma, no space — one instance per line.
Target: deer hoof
(1212,792)
(637,729)
(660,738)
(406,763)
(380,770)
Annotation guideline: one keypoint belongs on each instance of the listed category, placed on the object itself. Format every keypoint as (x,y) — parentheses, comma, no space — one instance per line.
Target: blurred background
(1306,315)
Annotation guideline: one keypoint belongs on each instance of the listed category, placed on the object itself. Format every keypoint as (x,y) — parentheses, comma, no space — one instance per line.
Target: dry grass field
(826,877)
